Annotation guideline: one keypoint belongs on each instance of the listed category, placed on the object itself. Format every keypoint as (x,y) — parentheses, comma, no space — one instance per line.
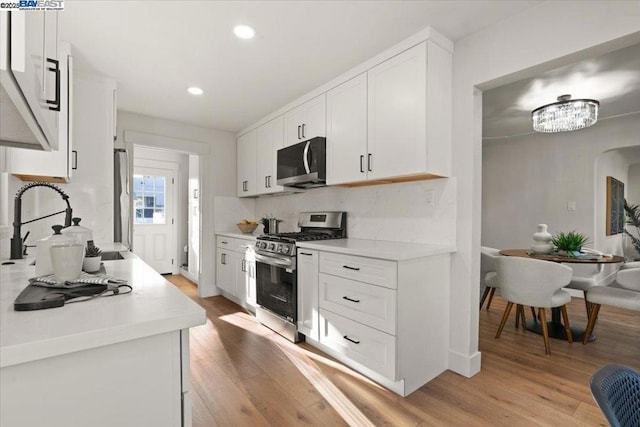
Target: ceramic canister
(78,232)
(43,255)
(66,260)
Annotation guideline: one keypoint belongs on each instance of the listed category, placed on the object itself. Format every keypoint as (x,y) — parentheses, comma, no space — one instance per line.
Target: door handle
(74,161)
(55,103)
(305,157)
(223,259)
(299,132)
(303,125)
(243,265)
(362,164)
(279,298)
(369,167)
(269,181)
(266,181)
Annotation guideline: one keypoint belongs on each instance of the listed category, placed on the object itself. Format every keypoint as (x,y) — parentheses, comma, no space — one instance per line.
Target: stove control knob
(286,249)
(279,248)
(272,246)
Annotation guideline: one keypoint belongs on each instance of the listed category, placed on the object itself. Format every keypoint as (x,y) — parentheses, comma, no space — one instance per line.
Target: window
(149,193)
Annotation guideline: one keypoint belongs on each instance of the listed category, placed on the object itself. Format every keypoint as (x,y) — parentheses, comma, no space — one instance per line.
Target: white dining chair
(623,293)
(488,281)
(535,283)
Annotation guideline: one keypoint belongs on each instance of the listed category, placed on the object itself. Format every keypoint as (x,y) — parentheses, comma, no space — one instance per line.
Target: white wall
(544,37)
(217,166)
(633,189)
(393,212)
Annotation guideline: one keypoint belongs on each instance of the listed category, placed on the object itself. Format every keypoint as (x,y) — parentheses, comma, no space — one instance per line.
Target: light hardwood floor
(245,375)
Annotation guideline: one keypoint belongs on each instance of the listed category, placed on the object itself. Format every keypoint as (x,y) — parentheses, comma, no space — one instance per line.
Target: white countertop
(237,235)
(153,307)
(394,251)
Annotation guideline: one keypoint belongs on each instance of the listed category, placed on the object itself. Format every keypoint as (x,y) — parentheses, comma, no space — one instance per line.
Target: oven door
(276,285)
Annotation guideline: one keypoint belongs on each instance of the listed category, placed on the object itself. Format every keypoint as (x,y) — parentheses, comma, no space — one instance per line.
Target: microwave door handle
(305,156)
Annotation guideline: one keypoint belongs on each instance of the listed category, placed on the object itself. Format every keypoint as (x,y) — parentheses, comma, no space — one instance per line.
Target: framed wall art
(615,206)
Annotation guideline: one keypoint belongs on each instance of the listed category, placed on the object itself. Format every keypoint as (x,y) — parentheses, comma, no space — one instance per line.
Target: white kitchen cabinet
(225,271)
(56,165)
(347,132)
(387,318)
(246,164)
(269,139)
(236,270)
(306,121)
(409,115)
(308,314)
(30,76)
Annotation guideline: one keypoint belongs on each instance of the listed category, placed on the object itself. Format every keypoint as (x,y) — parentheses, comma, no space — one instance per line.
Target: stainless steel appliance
(122,230)
(276,275)
(303,165)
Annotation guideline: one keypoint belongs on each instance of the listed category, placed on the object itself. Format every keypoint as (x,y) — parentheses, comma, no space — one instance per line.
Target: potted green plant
(92,258)
(569,244)
(633,220)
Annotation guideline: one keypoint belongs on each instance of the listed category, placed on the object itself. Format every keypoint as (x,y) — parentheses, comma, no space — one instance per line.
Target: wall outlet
(429,197)
(571,206)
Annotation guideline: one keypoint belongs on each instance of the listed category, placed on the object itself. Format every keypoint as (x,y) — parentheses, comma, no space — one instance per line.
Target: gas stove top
(313,226)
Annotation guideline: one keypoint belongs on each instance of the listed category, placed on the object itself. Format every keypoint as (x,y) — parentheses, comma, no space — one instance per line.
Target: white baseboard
(465,365)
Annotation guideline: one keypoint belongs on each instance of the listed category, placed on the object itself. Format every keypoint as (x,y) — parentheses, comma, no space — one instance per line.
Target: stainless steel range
(276,275)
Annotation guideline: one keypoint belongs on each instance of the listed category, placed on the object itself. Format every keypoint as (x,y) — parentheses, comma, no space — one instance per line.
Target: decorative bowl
(247,228)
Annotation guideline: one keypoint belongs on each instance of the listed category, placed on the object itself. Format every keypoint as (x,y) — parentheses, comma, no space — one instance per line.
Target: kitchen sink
(110,256)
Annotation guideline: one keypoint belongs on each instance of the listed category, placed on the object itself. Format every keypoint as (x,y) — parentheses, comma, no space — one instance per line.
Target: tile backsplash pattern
(392,212)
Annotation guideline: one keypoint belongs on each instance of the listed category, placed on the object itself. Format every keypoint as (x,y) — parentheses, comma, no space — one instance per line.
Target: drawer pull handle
(351,268)
(305,253)
(350,299)
(224,243)
(346,337)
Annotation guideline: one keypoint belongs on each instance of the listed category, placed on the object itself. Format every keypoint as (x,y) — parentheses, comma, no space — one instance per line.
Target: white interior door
(154,228)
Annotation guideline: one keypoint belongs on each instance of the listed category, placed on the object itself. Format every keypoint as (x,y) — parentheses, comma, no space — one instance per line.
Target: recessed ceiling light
(243,32)
(195,90)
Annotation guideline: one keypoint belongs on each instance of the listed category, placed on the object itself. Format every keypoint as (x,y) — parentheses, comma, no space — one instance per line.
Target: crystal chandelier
(565,115)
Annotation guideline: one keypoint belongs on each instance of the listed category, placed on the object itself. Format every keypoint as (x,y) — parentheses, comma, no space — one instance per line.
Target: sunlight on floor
(302,359)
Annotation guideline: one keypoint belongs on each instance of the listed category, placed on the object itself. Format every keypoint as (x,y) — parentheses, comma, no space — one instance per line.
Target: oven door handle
(278,262)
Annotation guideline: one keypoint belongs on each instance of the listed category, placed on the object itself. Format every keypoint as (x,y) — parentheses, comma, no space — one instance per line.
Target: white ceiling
(156,49)
(612,78)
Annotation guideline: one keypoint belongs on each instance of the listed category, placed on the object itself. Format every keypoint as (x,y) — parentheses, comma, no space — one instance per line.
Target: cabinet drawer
(370,347)
(370,270)
(240,245)
(225,242)
(370,305)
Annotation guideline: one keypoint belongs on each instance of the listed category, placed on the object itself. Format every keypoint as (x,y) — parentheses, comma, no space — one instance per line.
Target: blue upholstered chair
(616,390)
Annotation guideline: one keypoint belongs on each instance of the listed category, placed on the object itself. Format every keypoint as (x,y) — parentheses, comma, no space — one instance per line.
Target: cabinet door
(397,115)
(315,118)
(347,131)
(250,280)
(269,139)
(225,278)
(246,164)
(308,318)
(52,166)
(293,126)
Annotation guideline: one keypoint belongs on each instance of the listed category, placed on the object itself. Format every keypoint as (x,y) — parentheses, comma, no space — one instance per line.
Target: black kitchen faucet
(17,249)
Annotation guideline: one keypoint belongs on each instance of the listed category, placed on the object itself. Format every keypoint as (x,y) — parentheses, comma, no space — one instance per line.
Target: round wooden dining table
(555,326)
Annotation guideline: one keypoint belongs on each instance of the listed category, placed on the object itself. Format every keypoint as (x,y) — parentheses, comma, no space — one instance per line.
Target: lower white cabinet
(387,318)
(236,270)
(308,314)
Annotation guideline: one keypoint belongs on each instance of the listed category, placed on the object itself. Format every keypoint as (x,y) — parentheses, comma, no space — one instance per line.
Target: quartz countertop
(394,251)
(237,235)
(154,306)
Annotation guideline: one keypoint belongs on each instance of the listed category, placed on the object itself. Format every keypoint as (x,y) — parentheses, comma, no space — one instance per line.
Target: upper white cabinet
(246,164)
(347,131)
(394,124)
(269,139)
(57,165)
(306,121)
(31,75)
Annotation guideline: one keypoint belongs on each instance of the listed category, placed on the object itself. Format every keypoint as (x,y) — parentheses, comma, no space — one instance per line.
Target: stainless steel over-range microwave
(303,165)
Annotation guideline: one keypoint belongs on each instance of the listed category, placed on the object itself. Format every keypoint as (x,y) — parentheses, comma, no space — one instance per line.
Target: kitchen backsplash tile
(393,212)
